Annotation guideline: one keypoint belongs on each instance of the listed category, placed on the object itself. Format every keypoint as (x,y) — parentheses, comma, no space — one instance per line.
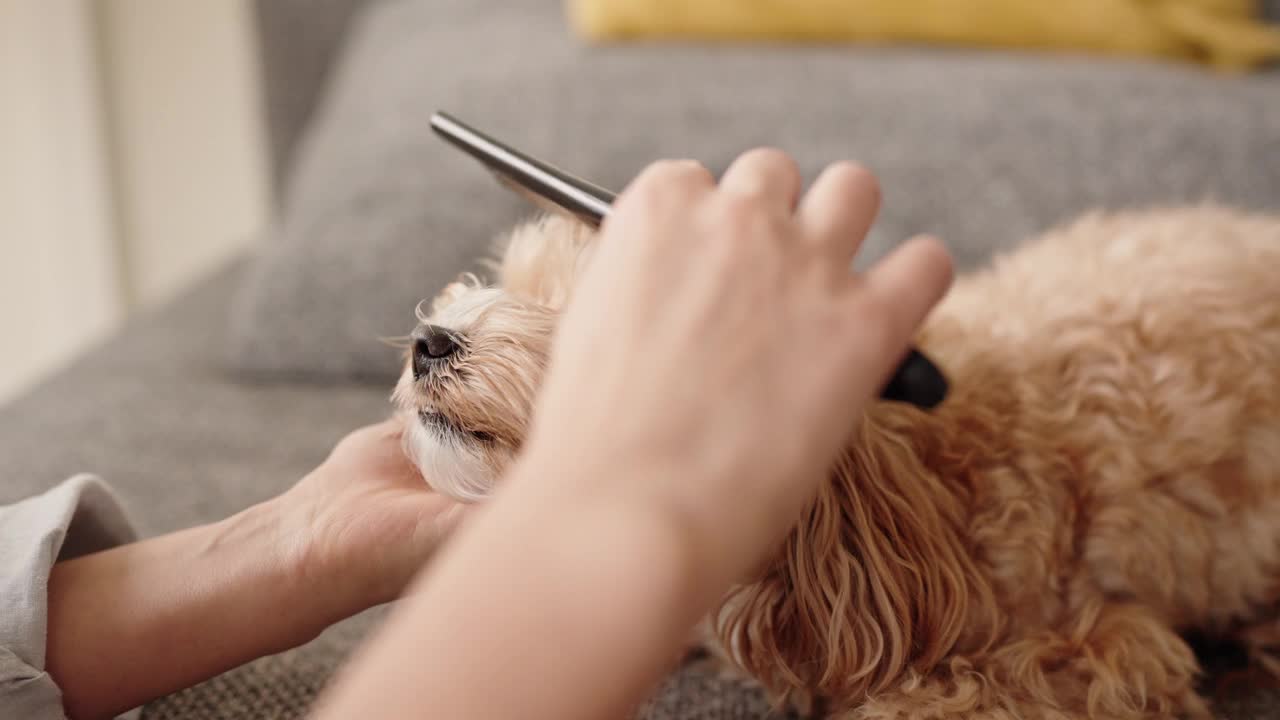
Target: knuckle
(770,155)
(680,171)
(854,175)
(745,216)
(937,255)
(773,162)
(663,183)
(740,208)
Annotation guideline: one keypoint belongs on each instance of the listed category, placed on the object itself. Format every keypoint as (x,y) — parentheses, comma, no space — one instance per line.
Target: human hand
(364,521)
(146,618)
(718,350)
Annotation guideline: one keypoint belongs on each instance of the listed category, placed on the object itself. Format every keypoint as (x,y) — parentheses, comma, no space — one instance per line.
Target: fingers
(839,210)
(894,298)
(392,428)
(661,187)
(670,177)
(767,175)
(918,271)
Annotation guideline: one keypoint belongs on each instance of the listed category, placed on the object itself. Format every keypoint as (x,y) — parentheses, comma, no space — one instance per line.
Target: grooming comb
(917,380)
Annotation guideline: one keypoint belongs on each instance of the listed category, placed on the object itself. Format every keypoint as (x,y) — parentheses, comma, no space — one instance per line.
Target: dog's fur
(1104,475)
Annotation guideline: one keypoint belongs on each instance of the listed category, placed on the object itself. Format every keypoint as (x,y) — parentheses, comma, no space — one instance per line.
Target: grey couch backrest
(298,41)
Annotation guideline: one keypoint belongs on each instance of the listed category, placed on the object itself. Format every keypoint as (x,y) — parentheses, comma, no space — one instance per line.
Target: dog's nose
(430,345)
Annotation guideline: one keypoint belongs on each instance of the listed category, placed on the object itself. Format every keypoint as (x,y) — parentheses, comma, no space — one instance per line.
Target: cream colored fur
(1104,476)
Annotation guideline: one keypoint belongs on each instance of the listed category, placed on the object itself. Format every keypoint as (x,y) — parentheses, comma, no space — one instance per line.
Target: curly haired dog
(1104,476)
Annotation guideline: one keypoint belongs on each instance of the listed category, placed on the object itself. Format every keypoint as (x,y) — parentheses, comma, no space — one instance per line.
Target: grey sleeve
(76,517)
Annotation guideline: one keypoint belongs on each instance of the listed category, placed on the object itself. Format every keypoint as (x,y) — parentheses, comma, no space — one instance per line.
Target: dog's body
(1104,476)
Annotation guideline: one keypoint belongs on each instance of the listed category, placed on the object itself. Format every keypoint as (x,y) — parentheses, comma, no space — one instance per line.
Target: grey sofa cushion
(983,148)
(299,41)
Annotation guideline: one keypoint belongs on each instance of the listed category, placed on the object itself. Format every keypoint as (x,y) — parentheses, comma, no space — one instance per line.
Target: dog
(1103,478)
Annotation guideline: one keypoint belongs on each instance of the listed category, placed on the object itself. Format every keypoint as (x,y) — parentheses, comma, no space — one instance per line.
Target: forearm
(142,620)
(521,618)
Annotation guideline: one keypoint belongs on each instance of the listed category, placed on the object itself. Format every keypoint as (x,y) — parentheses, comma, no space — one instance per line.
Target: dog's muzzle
(432,345)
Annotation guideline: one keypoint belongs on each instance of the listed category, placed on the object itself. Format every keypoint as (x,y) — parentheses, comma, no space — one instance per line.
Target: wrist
(621,497)
(270,541)
(144,619)
(670,488)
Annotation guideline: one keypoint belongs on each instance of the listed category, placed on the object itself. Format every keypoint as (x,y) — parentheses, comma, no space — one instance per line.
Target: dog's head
(476,359)
(872,585)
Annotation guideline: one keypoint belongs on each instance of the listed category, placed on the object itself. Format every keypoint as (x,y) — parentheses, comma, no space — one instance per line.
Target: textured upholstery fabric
(984,148)
(153,413)
(282,688)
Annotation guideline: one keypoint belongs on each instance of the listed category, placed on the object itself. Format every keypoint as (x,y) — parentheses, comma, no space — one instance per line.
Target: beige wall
(59,280)
(131,162)
(186,136)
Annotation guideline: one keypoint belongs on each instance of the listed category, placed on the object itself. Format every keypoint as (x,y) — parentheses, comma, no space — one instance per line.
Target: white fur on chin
(448,466)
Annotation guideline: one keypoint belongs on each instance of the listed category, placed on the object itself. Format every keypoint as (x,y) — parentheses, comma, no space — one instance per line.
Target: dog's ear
(543,257)
(874,582)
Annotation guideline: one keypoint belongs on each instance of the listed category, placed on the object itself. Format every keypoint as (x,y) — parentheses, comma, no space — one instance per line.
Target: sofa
(231,392)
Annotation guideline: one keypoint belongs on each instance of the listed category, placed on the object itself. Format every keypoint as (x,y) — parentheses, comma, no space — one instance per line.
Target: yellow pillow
(1226,34)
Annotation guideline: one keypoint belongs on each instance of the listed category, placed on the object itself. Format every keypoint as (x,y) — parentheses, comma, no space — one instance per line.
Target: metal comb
(917,381)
